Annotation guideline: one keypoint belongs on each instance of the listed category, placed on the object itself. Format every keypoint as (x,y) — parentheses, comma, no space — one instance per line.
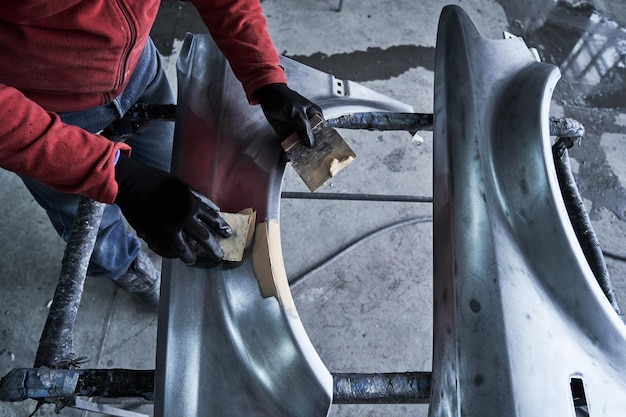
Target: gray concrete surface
(370,309)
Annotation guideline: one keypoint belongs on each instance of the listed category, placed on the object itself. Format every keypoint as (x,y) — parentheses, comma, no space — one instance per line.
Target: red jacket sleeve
(36,144)
(240,31)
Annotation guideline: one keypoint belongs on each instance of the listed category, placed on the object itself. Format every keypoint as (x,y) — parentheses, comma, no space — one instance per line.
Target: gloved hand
(174,220)
(287,111)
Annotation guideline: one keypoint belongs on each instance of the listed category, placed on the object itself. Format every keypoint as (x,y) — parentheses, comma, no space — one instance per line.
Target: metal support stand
(53,380)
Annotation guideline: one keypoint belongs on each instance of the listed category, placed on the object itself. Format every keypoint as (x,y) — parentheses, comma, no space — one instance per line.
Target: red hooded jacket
(70,55)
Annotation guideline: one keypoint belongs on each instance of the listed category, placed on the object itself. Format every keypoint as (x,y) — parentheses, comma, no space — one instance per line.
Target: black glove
(287,111)
(174,220)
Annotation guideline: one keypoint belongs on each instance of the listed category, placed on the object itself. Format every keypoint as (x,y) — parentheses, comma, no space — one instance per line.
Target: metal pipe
(52,384)
(141,113)
(387,388)
(355,197)
(410,122)
(56,345)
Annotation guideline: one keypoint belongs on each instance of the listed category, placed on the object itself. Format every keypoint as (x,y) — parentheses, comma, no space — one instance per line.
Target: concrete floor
(368,310)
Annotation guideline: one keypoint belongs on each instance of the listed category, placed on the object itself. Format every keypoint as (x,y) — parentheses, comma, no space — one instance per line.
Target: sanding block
(324,160)
(242,224)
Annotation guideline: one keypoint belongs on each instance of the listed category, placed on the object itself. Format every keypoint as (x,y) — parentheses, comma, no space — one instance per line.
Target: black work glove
(174,220)
(287,111)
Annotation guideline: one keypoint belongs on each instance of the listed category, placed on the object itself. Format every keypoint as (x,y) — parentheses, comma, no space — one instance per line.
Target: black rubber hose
(580,220)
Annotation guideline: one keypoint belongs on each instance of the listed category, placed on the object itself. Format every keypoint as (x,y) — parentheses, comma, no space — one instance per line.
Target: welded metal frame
(525,320)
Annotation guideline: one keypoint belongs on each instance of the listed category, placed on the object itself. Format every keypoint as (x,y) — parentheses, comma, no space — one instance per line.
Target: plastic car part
(230,342)
(521,327)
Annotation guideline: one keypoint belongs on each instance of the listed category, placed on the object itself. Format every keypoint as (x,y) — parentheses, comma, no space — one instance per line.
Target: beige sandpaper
(316,165)
(242,225)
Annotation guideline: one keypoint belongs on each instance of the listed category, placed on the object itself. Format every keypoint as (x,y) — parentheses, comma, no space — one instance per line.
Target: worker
(68,69)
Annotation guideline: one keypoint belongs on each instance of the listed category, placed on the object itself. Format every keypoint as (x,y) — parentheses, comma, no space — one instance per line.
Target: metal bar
(81,404)
(580,220)
(355,197)
(51,384)
(410,122)
(387,388)
(143,112)
(56,346)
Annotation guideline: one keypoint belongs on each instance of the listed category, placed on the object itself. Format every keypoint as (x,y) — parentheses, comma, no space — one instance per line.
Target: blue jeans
(115,247)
